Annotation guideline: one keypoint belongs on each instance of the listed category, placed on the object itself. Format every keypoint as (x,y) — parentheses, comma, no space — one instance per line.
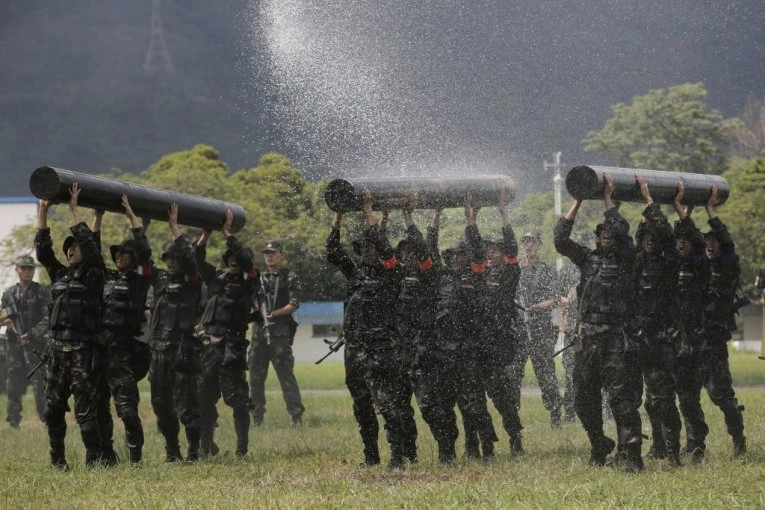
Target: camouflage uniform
(272,343)
(32,305)
(175,362)
(224,360)
(75,319)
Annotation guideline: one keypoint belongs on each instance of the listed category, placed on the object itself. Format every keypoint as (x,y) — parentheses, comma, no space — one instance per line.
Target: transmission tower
(158,59)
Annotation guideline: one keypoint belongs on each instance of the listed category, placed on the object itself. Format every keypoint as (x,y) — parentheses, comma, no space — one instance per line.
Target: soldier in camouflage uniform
(124,314)
(176,352)
(25,304)
(75,319)
(232,297)
(278,298)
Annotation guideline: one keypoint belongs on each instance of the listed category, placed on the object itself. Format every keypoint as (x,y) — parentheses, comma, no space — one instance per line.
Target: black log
(53,184)
(391,193)
(586,182)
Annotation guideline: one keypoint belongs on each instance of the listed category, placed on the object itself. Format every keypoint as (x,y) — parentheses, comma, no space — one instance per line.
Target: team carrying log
(390,193)
(586,182)
(53,184)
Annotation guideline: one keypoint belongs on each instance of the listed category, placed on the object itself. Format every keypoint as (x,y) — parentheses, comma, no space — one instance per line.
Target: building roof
(320,313)
(18,200)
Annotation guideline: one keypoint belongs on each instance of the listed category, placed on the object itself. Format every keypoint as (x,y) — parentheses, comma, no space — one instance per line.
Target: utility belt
(610,319)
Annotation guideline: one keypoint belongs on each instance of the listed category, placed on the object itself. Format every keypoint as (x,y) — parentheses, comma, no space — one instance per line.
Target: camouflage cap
(274,245)
(531,236)
(25,261)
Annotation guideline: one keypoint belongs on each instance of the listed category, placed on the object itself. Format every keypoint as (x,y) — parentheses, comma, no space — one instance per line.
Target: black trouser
(471,401)
(363,404)
(436,391)
(569,361)
(16,383)
(173,379)
(497,371)
(657,366)
(602,361)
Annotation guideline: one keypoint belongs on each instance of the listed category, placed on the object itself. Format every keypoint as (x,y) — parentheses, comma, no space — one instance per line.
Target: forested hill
(74,91)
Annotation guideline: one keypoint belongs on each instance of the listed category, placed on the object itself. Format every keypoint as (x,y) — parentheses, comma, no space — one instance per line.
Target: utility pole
(558,189)
(157,57)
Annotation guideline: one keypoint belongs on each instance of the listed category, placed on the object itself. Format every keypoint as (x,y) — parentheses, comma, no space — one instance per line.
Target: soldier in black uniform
(124,314)
(376,286)
(605,357)
(537,292)
(653,276)
(25,309)
(500,341)
(75,319)
(232,297)
(272,338)
(176,352)
(706,365)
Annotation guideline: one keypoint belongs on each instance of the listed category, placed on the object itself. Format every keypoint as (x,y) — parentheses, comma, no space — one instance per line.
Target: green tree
(666,129)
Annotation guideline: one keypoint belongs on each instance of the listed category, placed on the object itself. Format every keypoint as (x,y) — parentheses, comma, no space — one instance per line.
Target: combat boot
(600,447)
(135,454)
(695,449)
(173,452)
(516,443)
(134,438)
(193,437)
(739,445)
(472,450)
(396,458)
(487,445)
(58,456)
(108,455)
(657,451)
(242,429)
(371,455)
(409,450)
(446,453)
(555,418)
(673,447)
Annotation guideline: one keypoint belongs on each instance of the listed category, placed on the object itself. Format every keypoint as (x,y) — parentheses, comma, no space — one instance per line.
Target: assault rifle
(11,313)
(43,359)
(333,346)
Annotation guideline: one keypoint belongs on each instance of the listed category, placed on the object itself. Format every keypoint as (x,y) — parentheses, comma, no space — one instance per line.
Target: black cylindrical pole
(586,182)
(345,195)
(53,184)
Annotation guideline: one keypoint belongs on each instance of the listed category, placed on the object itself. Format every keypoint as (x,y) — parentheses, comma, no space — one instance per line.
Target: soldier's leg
(544,369)
(284,366)
(498,389)
(162,385)
(233,384)
(124,390)
(258,360)
(588,400)
(471,400)
(363,404)
(688,384)
(436,393)
(209,393)
(102,366)
(85,392)
(186,396)
(404,388)
(57,391)
(660,390)
(17,384)
(719,386)
(3,370)
(568,391)
(381,369)
(38,387)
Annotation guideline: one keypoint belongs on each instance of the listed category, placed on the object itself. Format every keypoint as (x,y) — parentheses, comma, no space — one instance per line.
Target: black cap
(25,261)
(274,245)
(128,245)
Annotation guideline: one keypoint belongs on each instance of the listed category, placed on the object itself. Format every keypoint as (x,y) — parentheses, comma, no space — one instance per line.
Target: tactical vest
(606,290)
(417,301)
(175,306)
(654,296)
(30,306)
(75,309)
(721,290)
(124,303)
(687,307)
(230,305)
(378,290)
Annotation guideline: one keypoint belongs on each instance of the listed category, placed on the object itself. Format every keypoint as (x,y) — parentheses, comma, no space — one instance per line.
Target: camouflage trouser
(569,361)
(602,361)
(278,352)
(709,369)
(363,405)
(70,373)
(117,381)
(471,401)
(496,368)
(230,382)
(657,365)
(173,378)
(16,386)
(436,391)
(540,348)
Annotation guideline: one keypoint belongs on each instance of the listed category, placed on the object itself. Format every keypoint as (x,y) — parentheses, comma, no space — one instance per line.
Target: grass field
(317,466)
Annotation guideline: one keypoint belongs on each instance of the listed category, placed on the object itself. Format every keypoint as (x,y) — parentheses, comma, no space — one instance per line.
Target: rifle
(565,347)
(333,346)
(266,307)
(43,359)
(11,312)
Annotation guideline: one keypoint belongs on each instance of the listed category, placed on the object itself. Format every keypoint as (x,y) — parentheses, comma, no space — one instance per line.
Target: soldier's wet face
(369,253)
(125,261)
(648,245)
(684,246)
(173,264)
(494,256)
(712,247)
(606,240)
(407,257)
(233,266)
(459,260)
(531,248)
(74,254)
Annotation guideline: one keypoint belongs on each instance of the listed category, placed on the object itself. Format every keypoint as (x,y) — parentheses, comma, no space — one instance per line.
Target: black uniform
(32,307)
(124,307)
(224,361)
(272,344)
(703,357)
(501,337)
(175,362)
(605,357)
(375,291)
(569,278)
(653,277)
(75,319)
